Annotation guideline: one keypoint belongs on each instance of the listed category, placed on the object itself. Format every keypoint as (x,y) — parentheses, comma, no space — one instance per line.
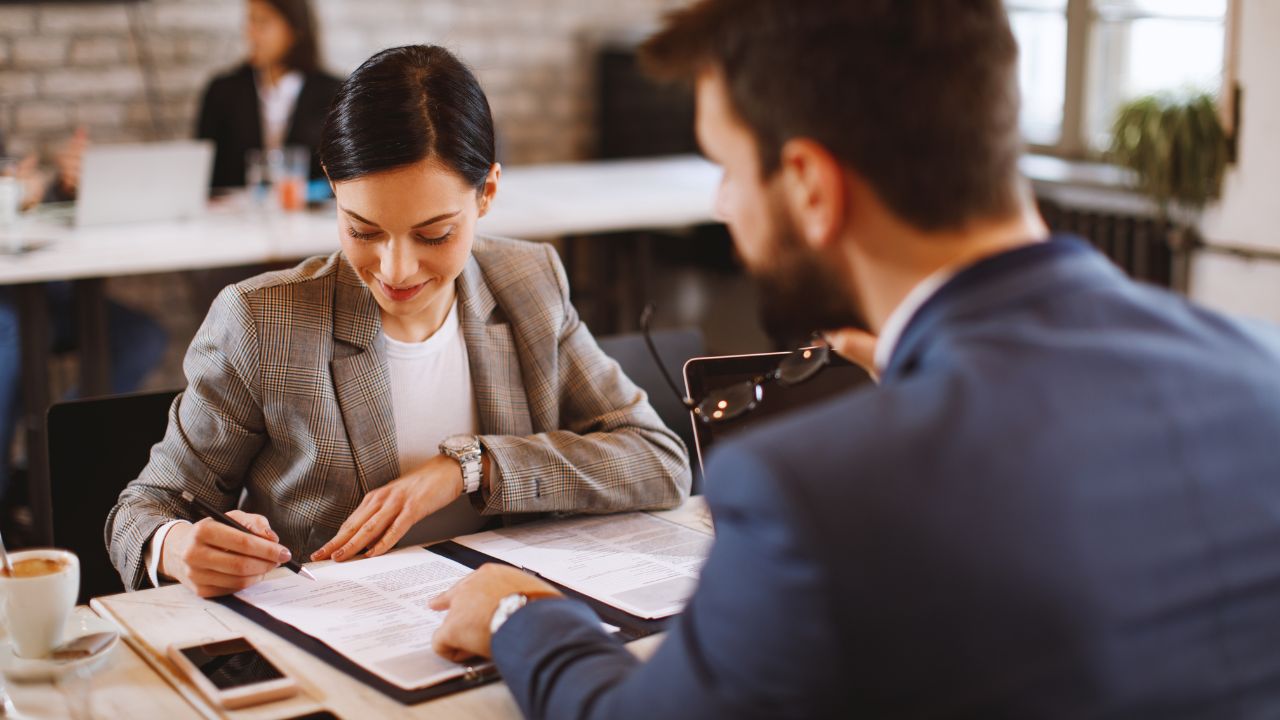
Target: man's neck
(884,274)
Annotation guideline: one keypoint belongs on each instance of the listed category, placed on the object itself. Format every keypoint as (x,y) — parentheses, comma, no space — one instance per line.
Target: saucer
(21,669)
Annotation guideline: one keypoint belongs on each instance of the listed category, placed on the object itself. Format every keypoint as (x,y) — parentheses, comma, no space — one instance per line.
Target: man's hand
(386,514)
(214,559)
(470,604)
(856,346)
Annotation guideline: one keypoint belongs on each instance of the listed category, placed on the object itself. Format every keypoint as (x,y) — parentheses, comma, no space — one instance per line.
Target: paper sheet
(636,562)
(374,611)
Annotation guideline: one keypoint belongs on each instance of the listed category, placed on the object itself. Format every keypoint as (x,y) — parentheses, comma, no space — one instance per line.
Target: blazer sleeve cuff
(536,646)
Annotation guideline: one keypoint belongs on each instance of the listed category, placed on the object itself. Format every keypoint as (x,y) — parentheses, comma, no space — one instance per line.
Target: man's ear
(490,189)
(813,184)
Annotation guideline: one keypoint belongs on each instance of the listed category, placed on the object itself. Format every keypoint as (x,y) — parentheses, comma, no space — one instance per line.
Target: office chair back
(675,347)
(96,447)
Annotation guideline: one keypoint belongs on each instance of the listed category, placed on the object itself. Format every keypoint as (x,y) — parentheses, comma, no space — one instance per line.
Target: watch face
(459,443)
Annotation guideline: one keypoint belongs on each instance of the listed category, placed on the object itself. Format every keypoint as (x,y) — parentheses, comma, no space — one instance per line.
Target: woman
(278,97)
(420,378)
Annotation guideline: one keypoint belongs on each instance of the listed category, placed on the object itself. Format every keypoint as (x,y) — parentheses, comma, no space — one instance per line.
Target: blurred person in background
(136,341)
(278,97)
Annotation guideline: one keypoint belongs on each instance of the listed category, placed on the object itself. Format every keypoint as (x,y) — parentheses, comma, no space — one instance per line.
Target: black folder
(630,627)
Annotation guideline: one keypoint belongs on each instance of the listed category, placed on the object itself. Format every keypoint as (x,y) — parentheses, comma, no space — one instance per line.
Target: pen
(209,511)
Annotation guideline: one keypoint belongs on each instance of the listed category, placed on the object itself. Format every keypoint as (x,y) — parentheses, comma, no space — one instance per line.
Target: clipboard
(630,628)
(480,674)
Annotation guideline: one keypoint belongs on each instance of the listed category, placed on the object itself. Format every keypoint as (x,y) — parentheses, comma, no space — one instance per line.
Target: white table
(534,202)
(137,681)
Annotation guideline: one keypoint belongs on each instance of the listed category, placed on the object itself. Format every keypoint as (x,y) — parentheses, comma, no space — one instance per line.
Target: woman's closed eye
(437,240)
(424,239)
(362,235)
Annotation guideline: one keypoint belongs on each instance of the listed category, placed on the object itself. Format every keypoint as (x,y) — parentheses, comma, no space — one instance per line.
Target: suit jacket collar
(1060,264)
(502,403)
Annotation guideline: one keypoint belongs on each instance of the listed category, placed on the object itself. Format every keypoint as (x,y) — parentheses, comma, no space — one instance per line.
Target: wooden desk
(534,202)
(135,682)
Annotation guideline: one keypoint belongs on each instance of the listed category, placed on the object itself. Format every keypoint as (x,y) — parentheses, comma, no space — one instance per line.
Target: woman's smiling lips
(401,294)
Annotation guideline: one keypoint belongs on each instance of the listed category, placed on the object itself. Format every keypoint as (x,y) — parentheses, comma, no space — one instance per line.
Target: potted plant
(1177,149)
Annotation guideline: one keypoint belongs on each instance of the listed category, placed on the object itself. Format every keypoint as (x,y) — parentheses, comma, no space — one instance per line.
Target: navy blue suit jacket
(1063,500)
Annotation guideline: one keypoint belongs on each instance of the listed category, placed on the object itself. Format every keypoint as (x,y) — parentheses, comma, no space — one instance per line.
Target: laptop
(704,374)
(147,182)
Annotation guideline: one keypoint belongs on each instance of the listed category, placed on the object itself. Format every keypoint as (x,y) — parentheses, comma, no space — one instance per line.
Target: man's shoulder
(820,452)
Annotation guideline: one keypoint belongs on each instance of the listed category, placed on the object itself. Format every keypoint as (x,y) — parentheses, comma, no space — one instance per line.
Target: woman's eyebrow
(437,219)
(357,217)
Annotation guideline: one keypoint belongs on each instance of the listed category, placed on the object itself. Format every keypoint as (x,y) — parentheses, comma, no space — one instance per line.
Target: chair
(96,446)
(675,347)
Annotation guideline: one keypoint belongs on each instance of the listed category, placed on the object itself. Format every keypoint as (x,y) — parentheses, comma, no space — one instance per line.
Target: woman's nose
(398,262)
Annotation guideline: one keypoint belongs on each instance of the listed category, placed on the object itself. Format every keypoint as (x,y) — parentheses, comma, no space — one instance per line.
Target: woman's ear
(490,189)
(814,189)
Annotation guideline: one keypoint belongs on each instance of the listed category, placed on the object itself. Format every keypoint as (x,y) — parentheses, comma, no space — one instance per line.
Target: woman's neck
(271,74)
(420,327)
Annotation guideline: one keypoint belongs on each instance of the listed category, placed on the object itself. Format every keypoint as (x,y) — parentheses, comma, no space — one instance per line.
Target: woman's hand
(386,514)
(213,559)
(69,161)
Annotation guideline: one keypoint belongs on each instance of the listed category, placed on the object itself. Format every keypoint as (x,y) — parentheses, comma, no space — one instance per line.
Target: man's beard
(801,295)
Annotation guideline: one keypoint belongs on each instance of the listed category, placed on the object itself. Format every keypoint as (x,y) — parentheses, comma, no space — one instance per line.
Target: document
(636,562)
(374,611)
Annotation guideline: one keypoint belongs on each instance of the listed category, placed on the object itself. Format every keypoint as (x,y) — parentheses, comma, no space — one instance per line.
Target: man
(1062,499)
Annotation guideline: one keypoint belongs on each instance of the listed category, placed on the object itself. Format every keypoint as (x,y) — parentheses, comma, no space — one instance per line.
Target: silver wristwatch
(507,607)
(466,450)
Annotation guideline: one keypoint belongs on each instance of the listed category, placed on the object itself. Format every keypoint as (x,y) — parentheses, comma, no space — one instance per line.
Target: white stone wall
(66,65)
(1249,214)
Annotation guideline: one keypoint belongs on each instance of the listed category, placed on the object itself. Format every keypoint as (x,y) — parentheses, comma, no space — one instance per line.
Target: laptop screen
(704,374)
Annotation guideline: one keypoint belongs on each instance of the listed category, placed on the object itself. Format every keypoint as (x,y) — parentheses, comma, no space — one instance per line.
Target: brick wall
(64,65)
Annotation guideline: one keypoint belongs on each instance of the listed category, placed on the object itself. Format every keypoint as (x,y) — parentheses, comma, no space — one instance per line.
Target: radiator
(1135,243)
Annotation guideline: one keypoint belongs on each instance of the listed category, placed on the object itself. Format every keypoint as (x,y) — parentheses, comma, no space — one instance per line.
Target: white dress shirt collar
(278,103)
(891,333)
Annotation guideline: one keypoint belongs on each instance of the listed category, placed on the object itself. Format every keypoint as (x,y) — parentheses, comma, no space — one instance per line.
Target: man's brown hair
(919,97)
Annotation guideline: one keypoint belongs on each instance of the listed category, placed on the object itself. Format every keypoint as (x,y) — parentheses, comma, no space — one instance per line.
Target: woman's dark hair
(304,56)
(405,105)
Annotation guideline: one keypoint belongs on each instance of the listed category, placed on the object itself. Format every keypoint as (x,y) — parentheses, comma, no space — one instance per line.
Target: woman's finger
(363,537)
(349,528)
(258,524)
(393,533)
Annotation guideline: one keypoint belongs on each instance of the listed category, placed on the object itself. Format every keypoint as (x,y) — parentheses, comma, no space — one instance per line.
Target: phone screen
(231,664)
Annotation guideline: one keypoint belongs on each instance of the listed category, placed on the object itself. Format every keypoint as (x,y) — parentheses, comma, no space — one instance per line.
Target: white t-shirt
(431,399)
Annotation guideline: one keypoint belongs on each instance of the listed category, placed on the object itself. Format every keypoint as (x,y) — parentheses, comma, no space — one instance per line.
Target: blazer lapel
(502,406)
(361,382)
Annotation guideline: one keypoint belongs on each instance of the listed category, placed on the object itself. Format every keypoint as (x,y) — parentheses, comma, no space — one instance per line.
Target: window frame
(1080,15)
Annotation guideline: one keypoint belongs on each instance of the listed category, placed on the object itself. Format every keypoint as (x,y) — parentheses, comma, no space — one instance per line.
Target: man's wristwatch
(507,607)
(466,450)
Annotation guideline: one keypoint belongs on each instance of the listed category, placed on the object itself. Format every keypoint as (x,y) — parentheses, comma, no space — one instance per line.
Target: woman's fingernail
(338,555)
(285,555)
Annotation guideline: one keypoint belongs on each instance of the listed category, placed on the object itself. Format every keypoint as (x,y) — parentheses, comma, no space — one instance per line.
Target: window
(1081,59)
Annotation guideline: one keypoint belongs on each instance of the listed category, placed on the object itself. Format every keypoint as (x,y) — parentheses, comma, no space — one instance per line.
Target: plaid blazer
(288,402)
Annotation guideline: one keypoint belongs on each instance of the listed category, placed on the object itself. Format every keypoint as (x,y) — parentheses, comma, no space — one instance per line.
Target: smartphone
(232,673)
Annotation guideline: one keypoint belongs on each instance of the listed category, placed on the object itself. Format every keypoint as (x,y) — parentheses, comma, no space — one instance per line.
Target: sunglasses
(736,400)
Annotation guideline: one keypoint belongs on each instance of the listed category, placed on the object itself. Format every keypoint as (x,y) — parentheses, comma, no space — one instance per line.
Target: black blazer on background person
(231,116)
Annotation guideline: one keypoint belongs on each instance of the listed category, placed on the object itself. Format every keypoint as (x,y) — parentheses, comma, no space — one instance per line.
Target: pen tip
(307,574)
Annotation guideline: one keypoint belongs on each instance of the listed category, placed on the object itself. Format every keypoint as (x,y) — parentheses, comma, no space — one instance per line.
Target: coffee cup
(37,595)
